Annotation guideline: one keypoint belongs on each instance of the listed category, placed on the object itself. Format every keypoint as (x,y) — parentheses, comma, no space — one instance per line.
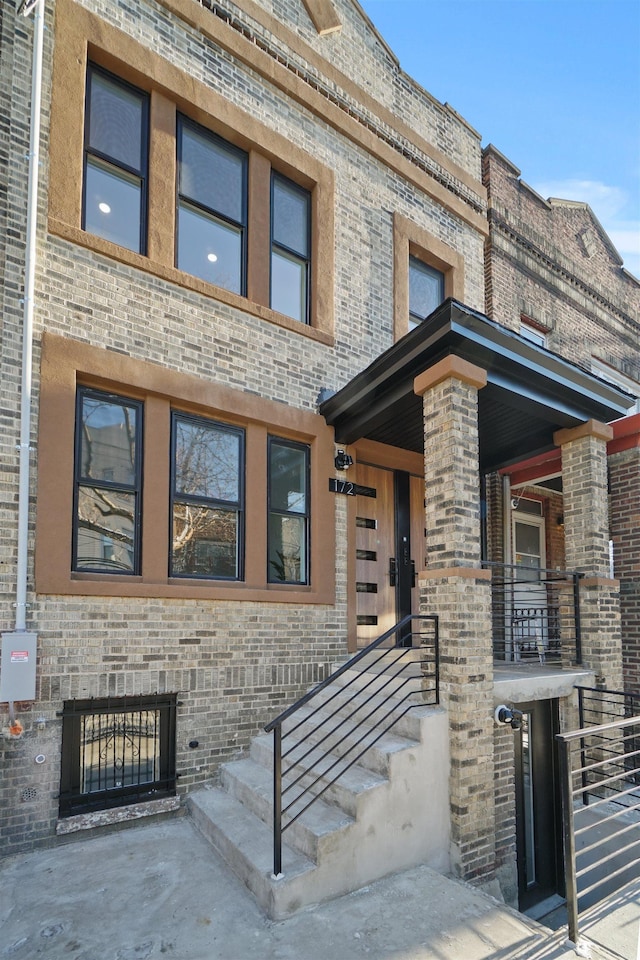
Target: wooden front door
(389,548)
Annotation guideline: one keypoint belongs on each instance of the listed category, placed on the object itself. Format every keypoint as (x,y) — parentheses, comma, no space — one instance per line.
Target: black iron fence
(535,614)
(600,780)
(326,732)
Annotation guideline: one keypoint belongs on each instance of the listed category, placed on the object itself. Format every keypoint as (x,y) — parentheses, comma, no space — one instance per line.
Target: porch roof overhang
(530,392)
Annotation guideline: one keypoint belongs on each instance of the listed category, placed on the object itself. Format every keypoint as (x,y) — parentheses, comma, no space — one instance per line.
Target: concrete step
(252,785)
(347,793)
(306,742)
(362,702)
(246,844)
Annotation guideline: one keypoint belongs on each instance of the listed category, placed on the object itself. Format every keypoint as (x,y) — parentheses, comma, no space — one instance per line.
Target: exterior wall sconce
(343,461)
(508,716)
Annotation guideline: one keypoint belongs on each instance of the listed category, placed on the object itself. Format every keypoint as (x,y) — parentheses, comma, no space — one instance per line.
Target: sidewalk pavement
(159,892)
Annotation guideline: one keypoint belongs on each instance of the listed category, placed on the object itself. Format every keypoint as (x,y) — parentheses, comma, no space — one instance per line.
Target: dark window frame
(273,440)
(210,502)
(80,481)
(109,162)
(72,800)
(183,121)
(290,252)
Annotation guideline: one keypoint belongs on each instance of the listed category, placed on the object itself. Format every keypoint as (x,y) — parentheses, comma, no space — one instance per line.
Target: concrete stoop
(387,813)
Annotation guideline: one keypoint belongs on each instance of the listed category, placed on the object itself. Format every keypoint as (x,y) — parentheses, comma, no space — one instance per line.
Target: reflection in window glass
(114,189)
(209,249)
(208,481)
(288,531)
(426,291)
(107,498)
(290,245)
(212,176)
(288,286)
(112,205)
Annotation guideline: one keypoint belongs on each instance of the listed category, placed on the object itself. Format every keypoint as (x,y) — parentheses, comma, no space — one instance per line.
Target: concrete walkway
(158,891)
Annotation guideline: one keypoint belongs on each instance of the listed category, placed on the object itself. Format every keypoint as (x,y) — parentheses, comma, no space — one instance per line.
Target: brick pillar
(458,591)
(586,526)
(624,485)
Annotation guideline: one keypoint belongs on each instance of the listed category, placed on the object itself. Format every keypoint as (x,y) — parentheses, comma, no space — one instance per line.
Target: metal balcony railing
(535,614)
(600,781)
(317,739)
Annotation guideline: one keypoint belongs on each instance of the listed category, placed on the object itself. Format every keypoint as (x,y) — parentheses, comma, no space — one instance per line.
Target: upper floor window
(212,208)
(533,334)
(288,530)
(115,174)
(290,248)
(426,291)
(208,484)
(106,535)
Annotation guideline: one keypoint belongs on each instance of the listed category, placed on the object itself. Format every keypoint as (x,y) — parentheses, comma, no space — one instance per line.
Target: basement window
(117,751)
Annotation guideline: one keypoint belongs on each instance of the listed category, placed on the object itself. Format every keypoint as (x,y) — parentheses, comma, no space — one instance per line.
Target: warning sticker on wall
(19,656)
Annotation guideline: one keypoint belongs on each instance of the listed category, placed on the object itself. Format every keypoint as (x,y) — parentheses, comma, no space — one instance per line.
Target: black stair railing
(319,744)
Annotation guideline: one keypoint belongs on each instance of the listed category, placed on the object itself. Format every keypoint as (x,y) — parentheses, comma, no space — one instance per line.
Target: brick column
(456,589)
(586,526)
(624,486)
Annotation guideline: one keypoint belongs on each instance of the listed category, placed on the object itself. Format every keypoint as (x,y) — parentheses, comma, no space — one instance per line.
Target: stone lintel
(451,367)
(605,582)
(450,573)
(590,428)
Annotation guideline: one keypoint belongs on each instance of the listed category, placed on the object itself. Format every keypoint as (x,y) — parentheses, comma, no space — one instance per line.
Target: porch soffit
(530,393)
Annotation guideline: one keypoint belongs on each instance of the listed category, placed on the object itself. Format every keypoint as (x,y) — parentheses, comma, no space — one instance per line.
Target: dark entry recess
(538,810)
(403,564)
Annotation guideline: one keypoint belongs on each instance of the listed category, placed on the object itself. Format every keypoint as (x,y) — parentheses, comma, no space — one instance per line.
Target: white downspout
(27,328)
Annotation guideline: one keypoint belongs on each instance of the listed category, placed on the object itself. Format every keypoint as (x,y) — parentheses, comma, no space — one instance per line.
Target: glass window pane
(287,549)
(426,288)
(116,121)
(528,539)
(119,749)
(209,249)
(207,461)
(112,205)
(108,441)
(105,530)
(289,286)
(212,174)
(290,216)
(288,475)
(205,542)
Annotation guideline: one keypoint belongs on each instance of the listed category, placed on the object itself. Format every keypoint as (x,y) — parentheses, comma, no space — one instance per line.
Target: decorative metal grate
(117,751)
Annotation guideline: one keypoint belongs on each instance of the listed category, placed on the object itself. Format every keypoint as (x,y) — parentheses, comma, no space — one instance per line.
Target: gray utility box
(18,666)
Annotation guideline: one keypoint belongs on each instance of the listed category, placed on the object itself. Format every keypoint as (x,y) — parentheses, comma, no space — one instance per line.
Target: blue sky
(553,84)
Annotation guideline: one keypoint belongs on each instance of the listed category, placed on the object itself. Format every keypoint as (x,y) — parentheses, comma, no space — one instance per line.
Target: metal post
(576,616)
(583,752)
(566,785)
(277,800)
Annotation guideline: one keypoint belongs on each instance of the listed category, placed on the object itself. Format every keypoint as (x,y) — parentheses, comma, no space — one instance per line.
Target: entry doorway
(538,806)
(389,548)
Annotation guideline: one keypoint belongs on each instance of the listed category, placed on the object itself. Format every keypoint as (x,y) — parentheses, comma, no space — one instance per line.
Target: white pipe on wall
(27,328)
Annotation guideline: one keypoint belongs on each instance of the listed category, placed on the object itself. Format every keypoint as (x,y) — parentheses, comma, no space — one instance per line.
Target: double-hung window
(212,208)
(106,530)
(115,175)
(290,248)
(426,291)
(208,494)
(288,531)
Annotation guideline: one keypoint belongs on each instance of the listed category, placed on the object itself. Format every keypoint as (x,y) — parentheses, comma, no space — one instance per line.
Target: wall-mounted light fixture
(343,461)
(508,716)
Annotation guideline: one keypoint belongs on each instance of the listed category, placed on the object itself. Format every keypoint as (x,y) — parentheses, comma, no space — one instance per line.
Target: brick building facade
(204,345)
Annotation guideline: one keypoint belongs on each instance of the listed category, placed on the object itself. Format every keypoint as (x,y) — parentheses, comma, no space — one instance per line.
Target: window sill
(115,252)
(104,818)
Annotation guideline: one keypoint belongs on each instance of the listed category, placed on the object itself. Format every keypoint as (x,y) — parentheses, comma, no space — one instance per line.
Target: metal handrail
(619,769)
(307,752)
(558,623)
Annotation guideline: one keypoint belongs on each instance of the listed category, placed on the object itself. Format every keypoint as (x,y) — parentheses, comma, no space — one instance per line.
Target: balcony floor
(522,682)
